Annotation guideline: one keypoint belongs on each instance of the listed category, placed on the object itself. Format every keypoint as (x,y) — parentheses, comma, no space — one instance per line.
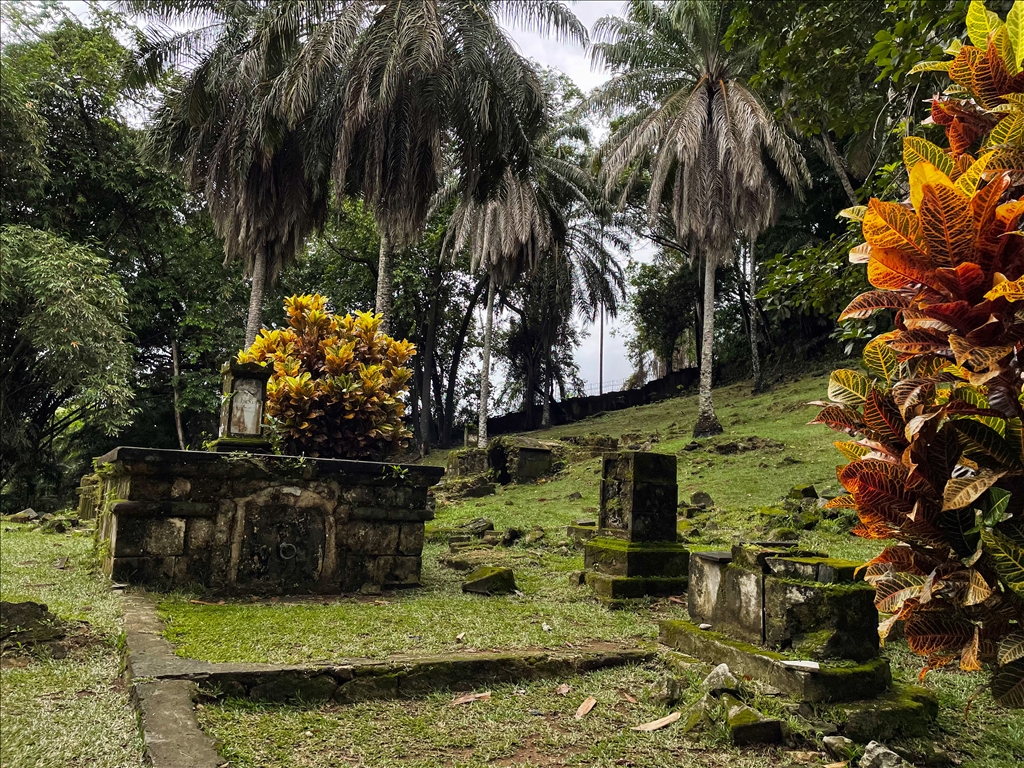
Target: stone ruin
(634,552)
(261,523)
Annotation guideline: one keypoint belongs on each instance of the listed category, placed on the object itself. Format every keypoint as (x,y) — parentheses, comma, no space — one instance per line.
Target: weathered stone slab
(490,580)
(639,496)
(616,591)
(616,557)
(519,459)
(170,729)
(827,570)
(581,534)
(467,462)
(706,570)
(907,711)
(826,683)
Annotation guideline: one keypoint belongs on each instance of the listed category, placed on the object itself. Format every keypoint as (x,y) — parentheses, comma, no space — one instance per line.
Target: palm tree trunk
(545,417)
(755,335)
(259,280)
(426,411)
(384,297)
(707,422)
(485,370)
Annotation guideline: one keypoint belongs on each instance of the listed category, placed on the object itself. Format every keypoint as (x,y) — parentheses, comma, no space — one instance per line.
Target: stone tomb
(261,523)
(798,620)
(635,552)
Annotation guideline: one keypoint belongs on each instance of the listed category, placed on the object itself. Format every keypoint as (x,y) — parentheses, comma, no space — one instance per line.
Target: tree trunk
(259,281)
(834,160)
(384,295)
(707,422)
(175,373)
(453,370)
(485,370)
(755,324)
(545,414)
(429,342)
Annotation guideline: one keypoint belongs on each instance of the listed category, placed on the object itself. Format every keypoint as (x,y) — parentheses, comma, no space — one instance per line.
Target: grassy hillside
(740,483)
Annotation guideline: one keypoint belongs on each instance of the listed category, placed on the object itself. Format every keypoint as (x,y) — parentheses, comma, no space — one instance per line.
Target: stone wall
(261,523)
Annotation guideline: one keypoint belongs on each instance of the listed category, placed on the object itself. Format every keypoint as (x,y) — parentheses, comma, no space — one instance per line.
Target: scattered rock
(686,511)
(669,690)
(369,588)
(880,756)
(25,516)
(783,534)
(577,578)
(56,525)
(839,747)
(30,627)
(489,580)
(467,560)
(534,536)
(575,495)
(691,446)
(799,492)
(748,726)
(511,536)
(925,753)
(702,499)
(493,537)
(477,527)
(720,681)
(746,444)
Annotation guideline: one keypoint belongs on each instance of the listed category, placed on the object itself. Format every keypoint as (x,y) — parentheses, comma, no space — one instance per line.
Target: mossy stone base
(241,445)
(748,726)
(821,621)
(614,591)
(616,557)
(831,682)
(906,711)
(580,534)
(490,580)
(826,570)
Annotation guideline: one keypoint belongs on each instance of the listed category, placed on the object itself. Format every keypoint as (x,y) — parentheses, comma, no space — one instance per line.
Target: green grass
(520,725)
(425,620)
(73,711)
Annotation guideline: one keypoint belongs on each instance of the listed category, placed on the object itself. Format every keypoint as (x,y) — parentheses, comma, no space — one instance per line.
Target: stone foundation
(261,523)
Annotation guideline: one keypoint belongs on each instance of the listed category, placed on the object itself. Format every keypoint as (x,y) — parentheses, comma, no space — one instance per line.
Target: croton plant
(338,385)
(936,466)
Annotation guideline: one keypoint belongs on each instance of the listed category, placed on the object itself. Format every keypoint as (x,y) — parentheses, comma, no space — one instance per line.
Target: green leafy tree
(717,157)
(64,349)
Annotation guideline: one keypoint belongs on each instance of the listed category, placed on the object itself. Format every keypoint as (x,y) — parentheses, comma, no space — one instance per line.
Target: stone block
(200,534)
(748,726)
(410,539)
(164,537)
(617,588)
(368,688)
(639,495)
(821,621)
(470,461)
(739,607)
(580,534)
(396,571)
(906,711)
(616,557)
(369,538)
(128,536)
(706,572)
(754,555)
(826,570)
(294,687)
(489,580)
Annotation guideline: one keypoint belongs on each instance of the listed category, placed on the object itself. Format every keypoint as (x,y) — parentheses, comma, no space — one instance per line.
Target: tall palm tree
(714,154)
(426,83)
(221,121)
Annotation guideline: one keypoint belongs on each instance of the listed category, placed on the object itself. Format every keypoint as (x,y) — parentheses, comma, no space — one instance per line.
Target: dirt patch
(747,444)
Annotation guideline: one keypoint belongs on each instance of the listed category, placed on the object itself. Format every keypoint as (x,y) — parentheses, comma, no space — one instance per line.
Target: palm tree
(714,154)
(222,122)
(426,84)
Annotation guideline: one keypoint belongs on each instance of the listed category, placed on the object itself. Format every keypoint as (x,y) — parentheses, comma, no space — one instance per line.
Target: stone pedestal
(261,524)
(634,553)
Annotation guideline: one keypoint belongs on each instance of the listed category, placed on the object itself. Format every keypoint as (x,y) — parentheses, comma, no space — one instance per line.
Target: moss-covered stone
(490,580)
(467,462)
(617,588)
(618,557)
(748,726)
(294,687)
(906,711)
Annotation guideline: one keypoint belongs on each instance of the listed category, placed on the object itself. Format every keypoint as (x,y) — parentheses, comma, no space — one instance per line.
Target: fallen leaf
(803,758)
(588,704)
(655,725)
(838,765)
(469,698)
(204,602)
(563,689)
(627,697)
(461,637)
(677,600)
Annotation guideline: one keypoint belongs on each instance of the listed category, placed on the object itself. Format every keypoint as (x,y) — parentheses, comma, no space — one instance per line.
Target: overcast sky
(574,62)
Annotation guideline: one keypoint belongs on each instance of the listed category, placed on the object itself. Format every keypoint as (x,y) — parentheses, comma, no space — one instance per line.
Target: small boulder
(534,536)
(577,578)
(878,755)
(669,690)
(702,499)
(511,536)
(489,580)
(575,495)
(748,726)
(25,516)
(691,446)
(477,527)
(800,492)
(721,681)
(29,626)
(839,747)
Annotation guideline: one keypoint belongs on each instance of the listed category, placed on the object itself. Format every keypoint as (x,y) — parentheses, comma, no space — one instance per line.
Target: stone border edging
(165,686)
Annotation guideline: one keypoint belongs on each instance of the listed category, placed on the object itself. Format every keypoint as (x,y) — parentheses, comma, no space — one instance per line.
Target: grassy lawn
(529,724)
(425,620)
(73,711)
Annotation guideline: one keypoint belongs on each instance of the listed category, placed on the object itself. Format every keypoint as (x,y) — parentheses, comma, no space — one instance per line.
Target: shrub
(338,383)
(937,462)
